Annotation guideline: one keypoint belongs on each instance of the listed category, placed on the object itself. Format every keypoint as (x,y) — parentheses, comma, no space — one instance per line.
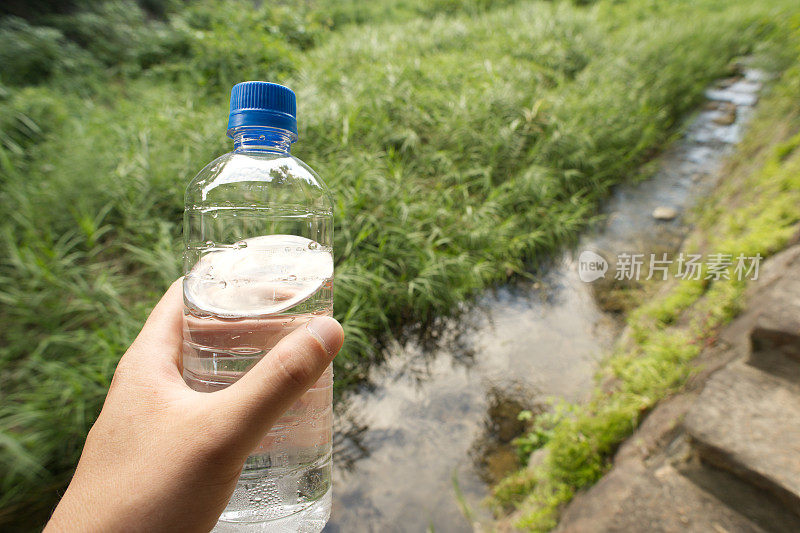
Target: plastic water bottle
(258,261)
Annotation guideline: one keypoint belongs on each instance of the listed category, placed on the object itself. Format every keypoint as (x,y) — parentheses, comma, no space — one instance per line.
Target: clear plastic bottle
(258,261)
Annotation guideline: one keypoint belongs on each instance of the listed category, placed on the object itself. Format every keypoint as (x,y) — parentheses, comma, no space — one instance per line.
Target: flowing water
(429,431)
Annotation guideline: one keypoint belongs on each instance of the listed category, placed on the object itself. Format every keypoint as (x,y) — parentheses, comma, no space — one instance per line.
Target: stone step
(656,500)
(777,327)
(750,501)
(748,422)
(776,363)
(775,333)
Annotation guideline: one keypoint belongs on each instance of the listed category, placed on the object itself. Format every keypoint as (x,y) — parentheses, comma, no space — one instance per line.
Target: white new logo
(591,266)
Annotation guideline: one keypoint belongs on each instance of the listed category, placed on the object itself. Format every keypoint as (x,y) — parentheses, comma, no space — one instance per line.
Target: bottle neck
(262,139)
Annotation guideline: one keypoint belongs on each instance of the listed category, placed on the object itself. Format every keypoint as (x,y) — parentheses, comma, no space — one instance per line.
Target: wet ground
(429,431)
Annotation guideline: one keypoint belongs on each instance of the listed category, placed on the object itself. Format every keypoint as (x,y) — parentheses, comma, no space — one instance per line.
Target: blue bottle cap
(260,103)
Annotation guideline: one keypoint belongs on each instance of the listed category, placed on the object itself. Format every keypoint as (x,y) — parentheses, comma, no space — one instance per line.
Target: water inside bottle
(240,301)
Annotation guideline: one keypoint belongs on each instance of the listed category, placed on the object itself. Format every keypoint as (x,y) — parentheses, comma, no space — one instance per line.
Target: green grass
(464,143)
(753,212)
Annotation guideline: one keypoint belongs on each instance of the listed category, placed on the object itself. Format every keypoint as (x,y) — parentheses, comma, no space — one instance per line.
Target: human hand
(163,457)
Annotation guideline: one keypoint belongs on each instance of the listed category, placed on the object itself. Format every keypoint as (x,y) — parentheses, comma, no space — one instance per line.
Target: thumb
(256,401)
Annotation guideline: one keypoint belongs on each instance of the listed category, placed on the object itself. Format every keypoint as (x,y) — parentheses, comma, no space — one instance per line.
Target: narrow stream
(440,413)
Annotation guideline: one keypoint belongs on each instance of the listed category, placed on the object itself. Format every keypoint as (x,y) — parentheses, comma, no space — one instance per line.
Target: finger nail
(328,332)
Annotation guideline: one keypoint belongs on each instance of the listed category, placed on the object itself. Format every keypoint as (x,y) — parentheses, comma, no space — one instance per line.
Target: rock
(778,326)
(778,332)
(727,82)
(774,335)
(748,423)
(748,500)
(537,458)
(637,499)
(773,271)
(725,118)
(664,213)
(772,314)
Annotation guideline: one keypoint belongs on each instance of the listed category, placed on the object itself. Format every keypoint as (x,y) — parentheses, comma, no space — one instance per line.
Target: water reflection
(443,407)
